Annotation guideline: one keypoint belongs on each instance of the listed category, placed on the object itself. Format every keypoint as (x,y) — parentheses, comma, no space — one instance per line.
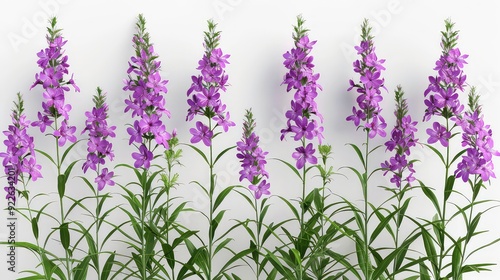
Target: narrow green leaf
(106,270)
(168,252)
(61,185)
(221,196)
(80,271)
(424,272)
(199,152)
(222,153)
(293,168)
(64,235)
(359,153)
(431,196)
(449,187)
(34,227)
(456,260)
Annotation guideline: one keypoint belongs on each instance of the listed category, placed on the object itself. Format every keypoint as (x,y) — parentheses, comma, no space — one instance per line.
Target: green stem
(28,204)
(61,201)
(302,210)
(443,213)
(212,189)
(364,186)
(257,222)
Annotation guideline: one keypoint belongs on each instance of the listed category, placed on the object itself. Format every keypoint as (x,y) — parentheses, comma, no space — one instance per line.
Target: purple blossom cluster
(147,101)
(477,137)
(301,118)
(54,65)
(98,147)
(206,89)
(369,67)
(20,155)
(402,139)
(252,158)
(442,93)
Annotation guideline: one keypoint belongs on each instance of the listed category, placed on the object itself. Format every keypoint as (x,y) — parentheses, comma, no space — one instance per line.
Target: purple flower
(146,101)
(54,67)
(143,158)
(262,188)
(477,137)
(19,158)
(205,90)
(65,133)
(104,179)
(252,158)
(201,133)
(369,67)
(438,133)
(303,155)
(99,147)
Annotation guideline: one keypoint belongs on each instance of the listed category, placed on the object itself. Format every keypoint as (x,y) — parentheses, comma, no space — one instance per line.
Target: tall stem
(28,204)
(211,192)
(61,201)
(257,223)
(365,201)
(443,213)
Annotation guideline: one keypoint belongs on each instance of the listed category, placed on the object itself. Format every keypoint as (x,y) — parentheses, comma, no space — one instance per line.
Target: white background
(256,34)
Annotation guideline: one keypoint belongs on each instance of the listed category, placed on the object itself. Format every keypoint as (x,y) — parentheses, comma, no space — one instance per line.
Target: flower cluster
(402,139)
(20,154)
(369,68)
(477,137)
(54,66)
(147,101)
(442,97)
(252,158)
(98,147)
(301,118)
(206,87)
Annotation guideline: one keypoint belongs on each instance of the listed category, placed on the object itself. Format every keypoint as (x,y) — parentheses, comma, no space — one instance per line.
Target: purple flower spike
(477,137)
(146,101)
(207,87)
(98,146)
(401,142)
(369,67)
(19,159)
(252,158)
(54,65)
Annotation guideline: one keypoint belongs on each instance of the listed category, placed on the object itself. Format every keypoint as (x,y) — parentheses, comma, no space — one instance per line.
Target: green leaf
(359,153)
(381,225)
(424,272)
(295,170)
(430,249)
(437,153)
(456,260)
(168,252)
(34,226)
(64,235)
(222,153)
(107,267)
(61,185)
(449,187)
(221,196)
(199,152)
(431,196)
(81,269)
